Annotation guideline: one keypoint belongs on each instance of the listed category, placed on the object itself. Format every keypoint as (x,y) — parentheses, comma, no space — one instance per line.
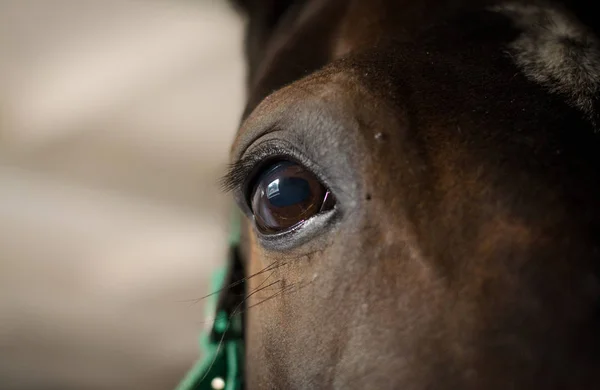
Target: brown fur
(464,253)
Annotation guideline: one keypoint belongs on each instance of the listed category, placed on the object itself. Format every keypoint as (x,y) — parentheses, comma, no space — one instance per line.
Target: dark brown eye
(286,195)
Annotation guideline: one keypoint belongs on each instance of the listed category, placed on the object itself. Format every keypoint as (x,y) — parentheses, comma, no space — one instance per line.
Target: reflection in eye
(286,195)
(273,189)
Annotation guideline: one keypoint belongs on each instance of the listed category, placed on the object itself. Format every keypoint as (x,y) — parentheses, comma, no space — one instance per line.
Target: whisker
(257,289)
(220,345)
(234,312)
(261,283)
(237,312)
(283,290)
(236,283)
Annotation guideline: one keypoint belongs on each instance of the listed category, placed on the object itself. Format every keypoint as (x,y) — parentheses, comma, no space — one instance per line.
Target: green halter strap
(222,346)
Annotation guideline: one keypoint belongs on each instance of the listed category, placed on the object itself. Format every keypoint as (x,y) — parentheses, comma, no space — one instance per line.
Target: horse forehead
(552,48)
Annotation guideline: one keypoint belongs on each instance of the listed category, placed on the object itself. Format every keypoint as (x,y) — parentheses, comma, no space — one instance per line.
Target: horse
(420,186)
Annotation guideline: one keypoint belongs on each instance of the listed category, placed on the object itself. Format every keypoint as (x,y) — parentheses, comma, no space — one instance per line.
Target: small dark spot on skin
(368,197)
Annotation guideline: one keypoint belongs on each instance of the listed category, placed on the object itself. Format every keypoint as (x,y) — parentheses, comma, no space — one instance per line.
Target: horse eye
(286,195)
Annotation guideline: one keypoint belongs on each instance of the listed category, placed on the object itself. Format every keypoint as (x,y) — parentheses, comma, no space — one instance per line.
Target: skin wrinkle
(465,252)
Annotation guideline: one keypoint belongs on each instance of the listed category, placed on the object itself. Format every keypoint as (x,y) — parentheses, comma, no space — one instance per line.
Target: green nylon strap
(222,346)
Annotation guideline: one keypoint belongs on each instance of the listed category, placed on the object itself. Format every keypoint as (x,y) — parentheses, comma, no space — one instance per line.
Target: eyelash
(241,173)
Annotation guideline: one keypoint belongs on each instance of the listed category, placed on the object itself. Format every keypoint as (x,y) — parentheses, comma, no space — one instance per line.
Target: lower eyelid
(301,234)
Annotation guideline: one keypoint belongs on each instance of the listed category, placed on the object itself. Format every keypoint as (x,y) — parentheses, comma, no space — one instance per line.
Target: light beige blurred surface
(115,122)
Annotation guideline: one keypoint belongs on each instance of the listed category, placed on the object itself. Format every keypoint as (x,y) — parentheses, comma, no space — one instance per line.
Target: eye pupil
(288,191)
(286,195)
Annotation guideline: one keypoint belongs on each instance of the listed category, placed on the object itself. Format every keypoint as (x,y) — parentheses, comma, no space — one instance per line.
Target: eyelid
(259,155)
(242,172)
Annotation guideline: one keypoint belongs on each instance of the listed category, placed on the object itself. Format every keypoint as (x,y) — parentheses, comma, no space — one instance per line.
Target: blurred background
(115,123)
